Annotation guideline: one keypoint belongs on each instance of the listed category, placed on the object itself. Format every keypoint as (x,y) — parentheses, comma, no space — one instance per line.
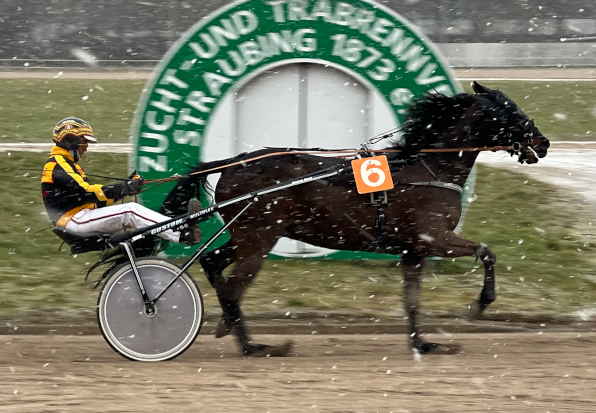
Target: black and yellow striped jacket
(66,190)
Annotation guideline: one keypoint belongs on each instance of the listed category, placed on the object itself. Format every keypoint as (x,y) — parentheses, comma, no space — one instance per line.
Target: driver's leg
(114,218)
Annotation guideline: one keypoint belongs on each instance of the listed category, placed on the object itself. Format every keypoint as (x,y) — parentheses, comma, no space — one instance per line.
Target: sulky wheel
(138,334)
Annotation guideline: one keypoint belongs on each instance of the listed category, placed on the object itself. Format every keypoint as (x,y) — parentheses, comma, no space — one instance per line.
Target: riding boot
(192,235)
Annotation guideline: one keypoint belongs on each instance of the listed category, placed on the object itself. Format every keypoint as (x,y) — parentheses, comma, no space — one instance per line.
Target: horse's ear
(478,88)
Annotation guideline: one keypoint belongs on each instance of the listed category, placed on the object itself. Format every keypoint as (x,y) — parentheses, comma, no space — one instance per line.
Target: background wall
(470,33)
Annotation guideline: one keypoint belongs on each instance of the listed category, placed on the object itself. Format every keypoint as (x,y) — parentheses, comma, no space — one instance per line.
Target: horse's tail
(188,186)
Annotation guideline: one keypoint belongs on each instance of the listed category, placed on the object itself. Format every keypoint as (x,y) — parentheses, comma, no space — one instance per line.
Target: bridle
(516,148)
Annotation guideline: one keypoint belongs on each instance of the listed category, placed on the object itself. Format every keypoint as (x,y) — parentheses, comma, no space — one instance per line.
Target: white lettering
(246,21)
(343,14)
(322,9)
(220,34)
(401,97)
(397,41)
(225,66)
(198,100)
(305,44)
(251,52)
(424,78)
(160,164)
(362,20)
(378,28)
(166,226)
(170,78)
(297,10)
(414,58)
(273,42)
(444,89)
(166,99)
(214,82)
(153,124)
(278,11)
(383,70)
(184,118)
(162,143)
(183,137)
(202,53)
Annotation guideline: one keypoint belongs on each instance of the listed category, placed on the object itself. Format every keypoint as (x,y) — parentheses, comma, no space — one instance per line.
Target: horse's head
(510,125)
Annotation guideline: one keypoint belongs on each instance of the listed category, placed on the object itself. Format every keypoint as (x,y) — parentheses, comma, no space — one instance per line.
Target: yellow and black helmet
(69,131)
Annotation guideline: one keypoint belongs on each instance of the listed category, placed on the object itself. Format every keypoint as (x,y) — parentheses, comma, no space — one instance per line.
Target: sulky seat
(81,242)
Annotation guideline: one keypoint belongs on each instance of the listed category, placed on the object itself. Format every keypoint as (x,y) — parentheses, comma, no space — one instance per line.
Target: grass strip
(29,108)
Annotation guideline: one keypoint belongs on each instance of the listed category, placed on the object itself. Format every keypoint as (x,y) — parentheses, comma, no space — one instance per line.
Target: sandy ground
(519,372)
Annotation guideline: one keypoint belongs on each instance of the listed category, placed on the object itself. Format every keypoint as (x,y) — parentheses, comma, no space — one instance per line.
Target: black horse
(416,222)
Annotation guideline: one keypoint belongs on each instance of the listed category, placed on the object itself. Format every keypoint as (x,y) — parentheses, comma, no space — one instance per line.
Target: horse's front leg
(488,293)
(412,266)
(449,244)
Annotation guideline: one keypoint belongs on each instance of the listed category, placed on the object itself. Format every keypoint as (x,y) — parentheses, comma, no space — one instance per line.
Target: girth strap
(439,184)
(379,200)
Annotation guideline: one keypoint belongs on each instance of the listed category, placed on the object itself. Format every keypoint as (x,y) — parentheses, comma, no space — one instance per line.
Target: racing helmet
(69,133)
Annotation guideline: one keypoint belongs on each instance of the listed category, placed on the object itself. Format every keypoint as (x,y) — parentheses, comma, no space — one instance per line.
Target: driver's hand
(135,186)
(134,175)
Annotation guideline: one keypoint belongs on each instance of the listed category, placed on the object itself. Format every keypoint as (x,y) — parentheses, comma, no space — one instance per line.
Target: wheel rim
(140,336)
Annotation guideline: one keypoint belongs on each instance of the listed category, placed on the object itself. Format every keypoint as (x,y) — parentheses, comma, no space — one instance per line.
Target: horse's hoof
(274,351)
(474,310)
(436,348)
(223,329)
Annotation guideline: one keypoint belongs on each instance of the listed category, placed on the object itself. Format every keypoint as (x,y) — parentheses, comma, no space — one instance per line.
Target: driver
(73,203)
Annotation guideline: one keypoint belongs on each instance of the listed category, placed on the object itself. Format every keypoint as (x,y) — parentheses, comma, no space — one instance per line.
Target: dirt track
(515,372)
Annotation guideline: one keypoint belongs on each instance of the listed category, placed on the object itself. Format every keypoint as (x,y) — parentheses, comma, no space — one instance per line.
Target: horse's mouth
(527,158)
(531,155)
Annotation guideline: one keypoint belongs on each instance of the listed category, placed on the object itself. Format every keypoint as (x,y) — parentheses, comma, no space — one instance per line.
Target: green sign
(236,43)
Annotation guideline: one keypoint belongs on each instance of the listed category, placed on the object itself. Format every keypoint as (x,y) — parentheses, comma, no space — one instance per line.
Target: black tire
(127,327)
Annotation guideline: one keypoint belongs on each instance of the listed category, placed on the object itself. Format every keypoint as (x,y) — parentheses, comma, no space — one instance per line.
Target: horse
(442,137)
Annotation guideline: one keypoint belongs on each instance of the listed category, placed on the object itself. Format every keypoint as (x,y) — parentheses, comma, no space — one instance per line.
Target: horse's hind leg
(488,293)
(214,263)
(412,267)
(248,263)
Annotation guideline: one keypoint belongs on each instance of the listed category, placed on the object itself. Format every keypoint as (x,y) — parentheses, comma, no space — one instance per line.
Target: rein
(349,153)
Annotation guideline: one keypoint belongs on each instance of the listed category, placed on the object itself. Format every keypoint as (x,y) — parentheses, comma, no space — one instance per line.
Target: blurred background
(102,33)
(93,59)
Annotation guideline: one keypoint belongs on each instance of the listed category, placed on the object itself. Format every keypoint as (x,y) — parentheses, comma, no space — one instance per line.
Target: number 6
(366,172)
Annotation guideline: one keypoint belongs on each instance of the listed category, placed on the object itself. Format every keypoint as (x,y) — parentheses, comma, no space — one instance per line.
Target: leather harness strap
(347,153)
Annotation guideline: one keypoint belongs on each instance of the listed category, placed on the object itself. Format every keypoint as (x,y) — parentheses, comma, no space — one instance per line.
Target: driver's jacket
(66,190)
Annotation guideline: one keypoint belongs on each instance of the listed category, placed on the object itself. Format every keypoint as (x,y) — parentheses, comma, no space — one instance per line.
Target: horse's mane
(428,119)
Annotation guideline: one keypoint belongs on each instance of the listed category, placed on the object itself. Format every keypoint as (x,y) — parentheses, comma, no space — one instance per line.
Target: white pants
(114,218)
